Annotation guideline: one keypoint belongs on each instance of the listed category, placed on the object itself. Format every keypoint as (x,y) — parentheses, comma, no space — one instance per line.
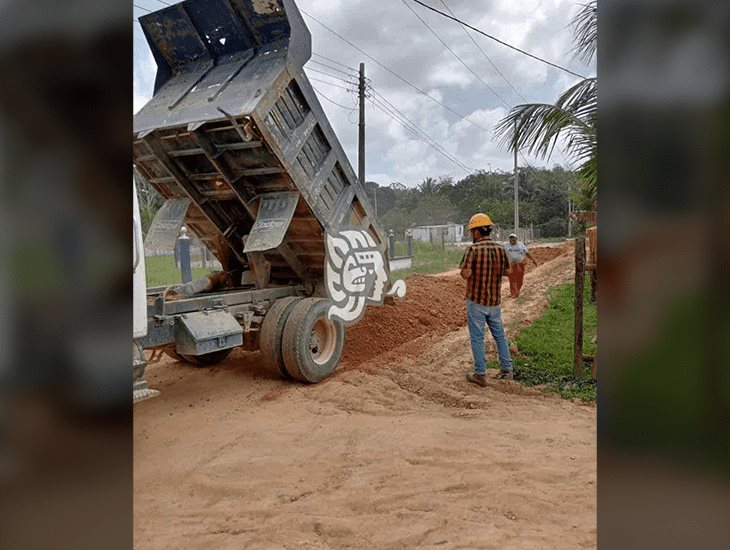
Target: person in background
(484,264)
(516,252)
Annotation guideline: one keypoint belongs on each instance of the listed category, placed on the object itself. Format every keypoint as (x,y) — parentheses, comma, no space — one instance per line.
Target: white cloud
(389,32)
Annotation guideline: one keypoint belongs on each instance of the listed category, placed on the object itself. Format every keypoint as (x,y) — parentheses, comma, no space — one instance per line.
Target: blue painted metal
(186,272)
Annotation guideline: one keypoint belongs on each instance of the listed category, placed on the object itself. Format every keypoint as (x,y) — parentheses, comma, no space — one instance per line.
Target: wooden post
(592,261)
(594,285)
(580,270)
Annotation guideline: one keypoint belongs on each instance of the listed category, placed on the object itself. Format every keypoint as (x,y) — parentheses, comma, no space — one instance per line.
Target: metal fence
(200,256)
(524,234)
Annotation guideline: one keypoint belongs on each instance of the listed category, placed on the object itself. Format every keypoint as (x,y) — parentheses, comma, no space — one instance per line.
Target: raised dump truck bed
(233,120)
(235,128)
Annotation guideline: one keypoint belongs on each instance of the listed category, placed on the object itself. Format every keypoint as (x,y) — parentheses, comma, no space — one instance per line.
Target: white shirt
(515,252)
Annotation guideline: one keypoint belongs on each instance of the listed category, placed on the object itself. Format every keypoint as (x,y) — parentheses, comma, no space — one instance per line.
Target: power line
(388,108)
(330,67)
(456,55)
(528,54)
(320,94)
(332,76)
(142,8)
(485,55)
(434,145)
(400,114)
(330,83)
(335,61)
(394,73)
(560,152)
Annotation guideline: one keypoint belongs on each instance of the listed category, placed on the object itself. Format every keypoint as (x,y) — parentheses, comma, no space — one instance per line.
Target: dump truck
(236,140)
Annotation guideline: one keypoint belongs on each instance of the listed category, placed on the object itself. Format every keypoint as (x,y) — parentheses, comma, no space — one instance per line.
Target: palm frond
(581,99)
(535,127)
(585,29)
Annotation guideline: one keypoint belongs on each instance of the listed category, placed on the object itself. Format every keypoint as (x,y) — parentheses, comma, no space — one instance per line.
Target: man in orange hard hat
(484,264)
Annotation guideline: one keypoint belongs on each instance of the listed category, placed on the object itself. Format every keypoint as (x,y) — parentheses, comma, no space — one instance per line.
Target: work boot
(506,375)
(477,379)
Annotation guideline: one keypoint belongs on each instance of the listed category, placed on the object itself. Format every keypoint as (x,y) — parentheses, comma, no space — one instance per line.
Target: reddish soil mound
(545,254)
(432,305)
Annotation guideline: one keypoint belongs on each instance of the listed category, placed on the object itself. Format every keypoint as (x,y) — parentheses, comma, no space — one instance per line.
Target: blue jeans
(477,315)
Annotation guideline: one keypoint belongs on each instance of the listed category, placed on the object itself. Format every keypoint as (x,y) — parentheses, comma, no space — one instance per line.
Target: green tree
(538,126)
(428,186)
(434,210)
(149,199)
(551,192)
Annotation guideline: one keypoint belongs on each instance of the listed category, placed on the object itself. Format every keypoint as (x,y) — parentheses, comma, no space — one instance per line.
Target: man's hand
(465,273)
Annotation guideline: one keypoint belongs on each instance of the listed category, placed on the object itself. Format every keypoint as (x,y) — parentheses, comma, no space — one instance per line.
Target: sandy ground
(396,450)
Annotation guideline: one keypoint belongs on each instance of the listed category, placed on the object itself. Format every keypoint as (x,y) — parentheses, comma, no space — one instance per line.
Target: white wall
(432,233)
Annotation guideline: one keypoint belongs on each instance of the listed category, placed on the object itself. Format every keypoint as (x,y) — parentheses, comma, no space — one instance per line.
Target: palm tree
(537,126)
(428,186)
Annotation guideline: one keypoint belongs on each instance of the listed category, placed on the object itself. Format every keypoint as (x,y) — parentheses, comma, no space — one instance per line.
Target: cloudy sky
(391,33)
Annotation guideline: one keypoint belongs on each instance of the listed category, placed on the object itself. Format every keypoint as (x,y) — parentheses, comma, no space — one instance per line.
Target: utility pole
(517,205)
(361,137)
(570,220)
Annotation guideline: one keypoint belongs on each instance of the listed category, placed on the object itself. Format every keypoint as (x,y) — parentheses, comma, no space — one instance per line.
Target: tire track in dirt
(431,366)
(394,451)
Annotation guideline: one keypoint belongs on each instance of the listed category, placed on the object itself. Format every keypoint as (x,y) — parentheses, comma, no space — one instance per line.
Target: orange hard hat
(479,220)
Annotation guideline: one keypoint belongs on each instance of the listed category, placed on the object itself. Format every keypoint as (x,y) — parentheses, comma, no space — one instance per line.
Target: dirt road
(396,450)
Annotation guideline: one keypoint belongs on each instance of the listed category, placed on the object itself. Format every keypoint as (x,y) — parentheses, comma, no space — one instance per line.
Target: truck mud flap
(204,332)
(165,227)
(272,220)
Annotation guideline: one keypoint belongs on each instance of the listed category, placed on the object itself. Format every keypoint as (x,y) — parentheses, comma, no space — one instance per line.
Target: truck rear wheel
(172,354)
(271,331)
(208,359)
(311,343)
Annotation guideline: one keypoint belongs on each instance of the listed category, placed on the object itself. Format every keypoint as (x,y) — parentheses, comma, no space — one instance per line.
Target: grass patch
(428,258)
(161,271)
(546,347)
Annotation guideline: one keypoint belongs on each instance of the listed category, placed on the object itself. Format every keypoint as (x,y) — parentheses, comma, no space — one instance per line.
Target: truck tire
(172,354)
(271,330)
(208,359)
(311,343)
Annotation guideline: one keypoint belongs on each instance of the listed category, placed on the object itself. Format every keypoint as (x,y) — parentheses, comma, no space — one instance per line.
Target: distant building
(451,232)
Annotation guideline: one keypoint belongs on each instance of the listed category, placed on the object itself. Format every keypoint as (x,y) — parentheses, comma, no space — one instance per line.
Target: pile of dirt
(431,306)
(546,254)
(398,444)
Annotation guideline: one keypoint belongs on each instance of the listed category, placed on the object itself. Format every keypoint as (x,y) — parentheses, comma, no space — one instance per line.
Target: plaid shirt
(488,262)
